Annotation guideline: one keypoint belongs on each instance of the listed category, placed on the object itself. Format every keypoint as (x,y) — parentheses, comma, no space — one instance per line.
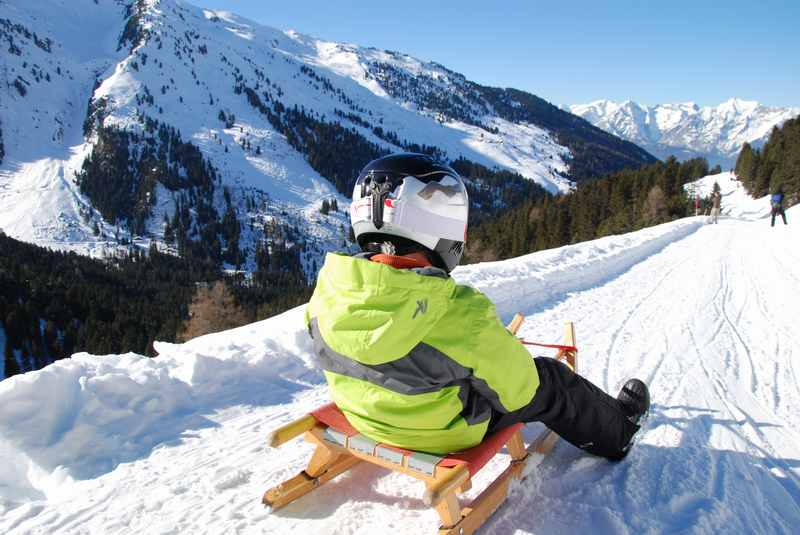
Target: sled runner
(339,447)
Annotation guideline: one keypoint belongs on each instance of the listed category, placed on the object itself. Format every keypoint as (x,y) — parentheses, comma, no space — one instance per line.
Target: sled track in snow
(519,285)
(720,305)
(632,313)
(782,332)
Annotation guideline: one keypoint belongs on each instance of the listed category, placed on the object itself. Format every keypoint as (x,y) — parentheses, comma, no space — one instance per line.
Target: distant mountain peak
(687,130)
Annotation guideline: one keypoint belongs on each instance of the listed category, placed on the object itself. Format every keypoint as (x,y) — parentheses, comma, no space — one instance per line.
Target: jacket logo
(422,307)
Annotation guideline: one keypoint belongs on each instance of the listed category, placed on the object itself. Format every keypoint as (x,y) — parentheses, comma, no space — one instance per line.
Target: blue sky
(571,52)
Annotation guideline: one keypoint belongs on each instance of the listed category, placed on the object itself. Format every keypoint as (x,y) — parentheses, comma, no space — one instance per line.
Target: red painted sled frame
(339,447)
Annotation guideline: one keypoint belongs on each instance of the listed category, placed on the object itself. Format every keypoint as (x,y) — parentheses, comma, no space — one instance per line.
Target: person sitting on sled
(417,361)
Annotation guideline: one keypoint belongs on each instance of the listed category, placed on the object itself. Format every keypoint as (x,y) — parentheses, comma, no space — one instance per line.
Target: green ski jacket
(413,359)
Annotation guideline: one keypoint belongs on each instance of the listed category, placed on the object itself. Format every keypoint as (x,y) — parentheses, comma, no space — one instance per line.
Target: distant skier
(417,361)
(777,205)
(716,199)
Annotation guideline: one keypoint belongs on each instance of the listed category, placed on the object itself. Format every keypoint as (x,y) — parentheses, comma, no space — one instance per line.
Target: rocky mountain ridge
(687,130)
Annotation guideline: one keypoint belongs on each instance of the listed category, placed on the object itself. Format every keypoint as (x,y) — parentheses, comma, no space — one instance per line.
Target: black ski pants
(778,210)
(577,410)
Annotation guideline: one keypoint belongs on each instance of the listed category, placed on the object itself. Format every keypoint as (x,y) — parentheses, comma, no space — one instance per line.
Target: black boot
(635,400)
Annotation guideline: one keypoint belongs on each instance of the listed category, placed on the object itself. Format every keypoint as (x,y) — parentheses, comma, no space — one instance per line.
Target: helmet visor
(436,207)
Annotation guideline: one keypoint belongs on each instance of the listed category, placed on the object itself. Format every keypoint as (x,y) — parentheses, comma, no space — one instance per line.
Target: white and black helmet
(411,200)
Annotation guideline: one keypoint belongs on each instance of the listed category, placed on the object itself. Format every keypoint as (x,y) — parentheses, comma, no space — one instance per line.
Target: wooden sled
(339,447)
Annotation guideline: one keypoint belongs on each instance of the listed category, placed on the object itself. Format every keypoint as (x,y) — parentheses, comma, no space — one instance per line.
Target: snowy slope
(182,66)
(686,130)
(706,314)
(55,68)
(735,201)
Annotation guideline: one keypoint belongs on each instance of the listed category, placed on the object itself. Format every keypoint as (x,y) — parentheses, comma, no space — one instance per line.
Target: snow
(45,145)
(42,131)
(686,130)
(735,201)
(706,314)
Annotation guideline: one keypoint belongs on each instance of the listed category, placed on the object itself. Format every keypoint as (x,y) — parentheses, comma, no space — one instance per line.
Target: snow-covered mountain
(124,444)
(127,120)
(686,130)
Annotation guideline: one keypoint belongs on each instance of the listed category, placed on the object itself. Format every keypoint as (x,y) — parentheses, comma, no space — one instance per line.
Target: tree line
(54,304)
(775,165)
(621,202)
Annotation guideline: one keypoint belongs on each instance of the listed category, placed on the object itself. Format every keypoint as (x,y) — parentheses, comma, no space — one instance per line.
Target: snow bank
(81,417)
(84,415)
(276,350)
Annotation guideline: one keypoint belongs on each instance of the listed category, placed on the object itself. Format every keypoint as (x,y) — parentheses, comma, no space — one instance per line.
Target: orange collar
(399,262)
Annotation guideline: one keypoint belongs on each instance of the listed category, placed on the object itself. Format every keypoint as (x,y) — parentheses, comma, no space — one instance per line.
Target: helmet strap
(379,191)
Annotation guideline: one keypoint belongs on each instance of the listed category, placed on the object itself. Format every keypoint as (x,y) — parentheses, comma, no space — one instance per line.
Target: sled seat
(339,446)
(339,431)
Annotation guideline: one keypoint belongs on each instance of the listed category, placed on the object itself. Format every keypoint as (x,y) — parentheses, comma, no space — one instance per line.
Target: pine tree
(618,203)
(11,366)
(746,166)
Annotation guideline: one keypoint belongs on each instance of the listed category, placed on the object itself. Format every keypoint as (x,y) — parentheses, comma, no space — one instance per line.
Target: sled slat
(516,323)
(482,507)
(321,461)
(302,483)
(449,510)
(545,443)
(446,484)
(569,340)
(516,446)
(289,431)
(486,503)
